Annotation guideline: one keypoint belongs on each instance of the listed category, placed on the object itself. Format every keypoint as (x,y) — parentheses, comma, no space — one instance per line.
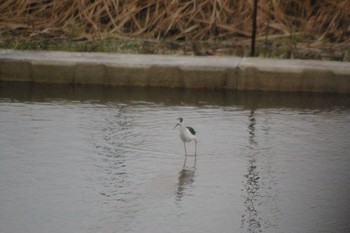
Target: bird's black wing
(191,130)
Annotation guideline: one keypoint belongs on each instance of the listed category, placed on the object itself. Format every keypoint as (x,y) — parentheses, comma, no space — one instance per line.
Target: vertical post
(266,44)
(255,12)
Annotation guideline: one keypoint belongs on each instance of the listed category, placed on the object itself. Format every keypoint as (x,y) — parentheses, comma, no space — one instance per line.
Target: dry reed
(194,20)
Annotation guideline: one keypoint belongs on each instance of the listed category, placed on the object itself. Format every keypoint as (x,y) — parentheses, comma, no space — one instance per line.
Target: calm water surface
(94,159)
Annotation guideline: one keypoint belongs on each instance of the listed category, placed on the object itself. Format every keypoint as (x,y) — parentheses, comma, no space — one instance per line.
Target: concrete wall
(231,73)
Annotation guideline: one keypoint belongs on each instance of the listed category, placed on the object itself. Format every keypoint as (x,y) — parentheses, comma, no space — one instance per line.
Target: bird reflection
(185,180)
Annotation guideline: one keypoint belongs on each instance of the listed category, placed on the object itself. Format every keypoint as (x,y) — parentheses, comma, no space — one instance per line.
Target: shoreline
(174,71)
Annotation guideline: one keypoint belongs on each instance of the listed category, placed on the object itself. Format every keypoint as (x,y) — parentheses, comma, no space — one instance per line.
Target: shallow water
(95,159)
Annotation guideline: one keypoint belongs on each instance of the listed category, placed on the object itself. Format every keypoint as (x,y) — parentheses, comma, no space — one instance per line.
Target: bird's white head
(180,119)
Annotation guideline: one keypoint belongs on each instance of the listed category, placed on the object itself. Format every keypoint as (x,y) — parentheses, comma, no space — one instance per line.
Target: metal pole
(255,12)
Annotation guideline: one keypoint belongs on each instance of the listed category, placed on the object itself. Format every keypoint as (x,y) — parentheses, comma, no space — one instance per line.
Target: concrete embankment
(232,73)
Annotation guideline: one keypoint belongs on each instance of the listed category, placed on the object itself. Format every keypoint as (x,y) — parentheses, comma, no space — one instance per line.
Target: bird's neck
(182,128)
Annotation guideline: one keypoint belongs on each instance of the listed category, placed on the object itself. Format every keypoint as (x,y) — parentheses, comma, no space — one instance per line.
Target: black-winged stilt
(187,134)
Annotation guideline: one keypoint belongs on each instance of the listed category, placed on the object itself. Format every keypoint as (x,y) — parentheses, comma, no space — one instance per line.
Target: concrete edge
(232,73)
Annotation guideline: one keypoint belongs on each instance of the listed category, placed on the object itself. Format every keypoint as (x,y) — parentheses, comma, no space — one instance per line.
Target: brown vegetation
(206,21)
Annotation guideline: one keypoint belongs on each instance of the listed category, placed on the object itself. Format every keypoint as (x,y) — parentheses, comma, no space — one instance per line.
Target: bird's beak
(176,126)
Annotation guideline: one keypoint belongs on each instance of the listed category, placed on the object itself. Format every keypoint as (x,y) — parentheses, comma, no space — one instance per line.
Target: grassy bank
(286,28)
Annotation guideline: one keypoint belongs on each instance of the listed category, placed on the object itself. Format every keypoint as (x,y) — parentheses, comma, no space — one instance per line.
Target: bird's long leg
(185,162)
(195,161)
(185,156)
(195,149)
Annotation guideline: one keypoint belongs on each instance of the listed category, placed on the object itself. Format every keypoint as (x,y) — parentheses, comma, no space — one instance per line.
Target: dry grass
(206,21)
(176,19)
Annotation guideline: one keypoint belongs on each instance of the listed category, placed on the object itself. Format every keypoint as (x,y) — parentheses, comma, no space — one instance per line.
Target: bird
(187,134)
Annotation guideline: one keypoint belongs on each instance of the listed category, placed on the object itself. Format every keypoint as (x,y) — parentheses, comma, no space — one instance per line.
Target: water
(95,159)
